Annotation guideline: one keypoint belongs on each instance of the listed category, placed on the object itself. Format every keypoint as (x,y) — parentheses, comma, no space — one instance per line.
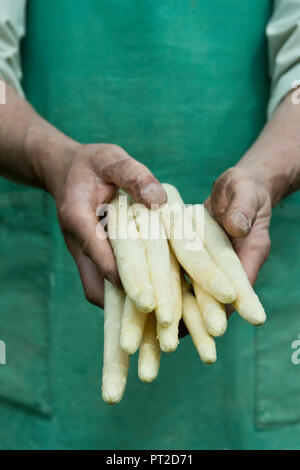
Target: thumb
(254,250)
(240,214)
(235,206)
(116,166)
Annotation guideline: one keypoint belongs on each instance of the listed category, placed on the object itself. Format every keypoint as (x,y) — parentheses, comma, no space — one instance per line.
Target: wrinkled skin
(243,196)
(242,206)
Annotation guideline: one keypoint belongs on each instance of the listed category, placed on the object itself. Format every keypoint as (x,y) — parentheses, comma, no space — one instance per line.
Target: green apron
(183,87)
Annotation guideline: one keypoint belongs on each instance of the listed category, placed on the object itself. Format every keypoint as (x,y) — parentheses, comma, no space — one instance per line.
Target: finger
(78,216)
(253,251)
(235,201)
(207,205)
(91,278)
(241,210)
(81,224)
(114,165)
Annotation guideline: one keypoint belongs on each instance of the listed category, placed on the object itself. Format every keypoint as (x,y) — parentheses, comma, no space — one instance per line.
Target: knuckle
(233,177)
(262,246)
(219,184)
(69,244)
(69,218)
(136,174)
(226,190)
(218,196)
(229,179)
(109,273)
(112,150)
(227,175)
(85,244)
(267,248)
(113,161)
(65,215)
(91,296)
(74,223)
(115,149)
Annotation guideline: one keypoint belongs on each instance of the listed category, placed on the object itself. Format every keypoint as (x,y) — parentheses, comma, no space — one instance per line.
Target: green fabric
(25,252)
(278,378)
(183,87)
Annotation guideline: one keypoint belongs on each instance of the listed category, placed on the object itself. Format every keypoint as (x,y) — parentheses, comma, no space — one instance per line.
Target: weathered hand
(243,196)
(242,205)
(90,179)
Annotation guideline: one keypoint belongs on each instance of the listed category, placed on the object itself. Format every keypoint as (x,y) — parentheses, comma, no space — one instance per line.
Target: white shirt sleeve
(283,33)
(12,29)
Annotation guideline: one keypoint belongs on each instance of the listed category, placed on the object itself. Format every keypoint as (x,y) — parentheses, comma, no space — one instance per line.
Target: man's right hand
(90,179)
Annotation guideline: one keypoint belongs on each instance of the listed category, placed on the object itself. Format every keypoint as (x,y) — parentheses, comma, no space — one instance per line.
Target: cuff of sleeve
(282,87)
(9,76)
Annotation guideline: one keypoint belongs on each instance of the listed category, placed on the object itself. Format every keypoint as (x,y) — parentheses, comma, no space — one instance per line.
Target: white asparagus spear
(132,327)
(115,360)
(168,336)
(149,352)
(193,320)
(130,253)
(189,250)
(158,256)
(213,311)
(247,303)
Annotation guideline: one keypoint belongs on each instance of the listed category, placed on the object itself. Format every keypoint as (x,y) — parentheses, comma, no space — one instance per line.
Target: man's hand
(243,196)
(242,206)
(90,180)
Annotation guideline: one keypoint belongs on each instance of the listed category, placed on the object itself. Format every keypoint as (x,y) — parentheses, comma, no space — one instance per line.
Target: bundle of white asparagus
(174,263)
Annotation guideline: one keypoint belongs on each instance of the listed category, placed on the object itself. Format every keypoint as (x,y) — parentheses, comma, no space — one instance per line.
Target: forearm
(274,158)
(31,150)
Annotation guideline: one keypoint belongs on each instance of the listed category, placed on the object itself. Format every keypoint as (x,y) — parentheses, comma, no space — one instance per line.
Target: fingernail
(153,193)
(241,221)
